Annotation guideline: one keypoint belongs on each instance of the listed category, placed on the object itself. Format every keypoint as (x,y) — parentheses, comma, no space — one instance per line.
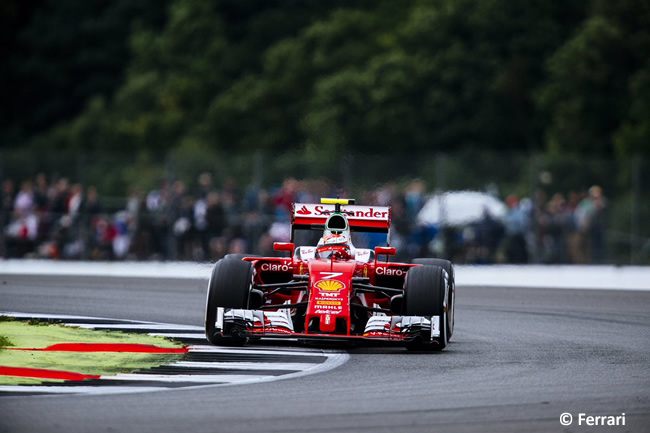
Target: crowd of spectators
(559,229)
(54,218)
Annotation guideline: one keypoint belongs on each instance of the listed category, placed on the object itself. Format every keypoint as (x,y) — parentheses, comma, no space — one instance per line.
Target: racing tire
(229,287)
(451,288)
(424,295)
(238,256)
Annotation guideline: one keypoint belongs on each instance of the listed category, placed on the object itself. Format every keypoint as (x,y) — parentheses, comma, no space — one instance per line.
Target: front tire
(229,287)
(451,288)
(424,295)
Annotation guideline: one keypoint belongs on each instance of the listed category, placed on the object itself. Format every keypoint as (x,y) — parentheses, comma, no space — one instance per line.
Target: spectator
(92,205)
(184,228)
(285,197)
(157,220)
(593,223)
(59,201)
(8,197)
(558,230)
(75,200)
(21,233)
(489,233)
(24,201)
(516,226)
(42,192)
(6,210)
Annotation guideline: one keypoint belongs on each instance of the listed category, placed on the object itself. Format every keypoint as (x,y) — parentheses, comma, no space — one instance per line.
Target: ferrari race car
(330,290)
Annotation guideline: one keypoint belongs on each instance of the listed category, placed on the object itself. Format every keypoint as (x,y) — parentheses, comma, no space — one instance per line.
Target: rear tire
(238,256)
(229,286)
(451,288)
(424,295)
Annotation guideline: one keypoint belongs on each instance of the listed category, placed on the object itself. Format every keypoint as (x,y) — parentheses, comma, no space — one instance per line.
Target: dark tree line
(327,76)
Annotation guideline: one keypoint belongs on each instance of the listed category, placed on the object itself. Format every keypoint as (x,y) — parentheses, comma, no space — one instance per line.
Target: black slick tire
(424,295)
(229,287)
(451,288)
(238,256)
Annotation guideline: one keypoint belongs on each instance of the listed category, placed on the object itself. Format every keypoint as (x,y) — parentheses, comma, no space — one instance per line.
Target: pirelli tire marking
(203,364)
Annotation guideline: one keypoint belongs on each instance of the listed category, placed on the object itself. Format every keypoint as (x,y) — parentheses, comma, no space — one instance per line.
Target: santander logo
(353,212)
(303,211)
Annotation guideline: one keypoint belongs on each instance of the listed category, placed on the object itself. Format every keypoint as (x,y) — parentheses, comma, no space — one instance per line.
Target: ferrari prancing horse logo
(330,285)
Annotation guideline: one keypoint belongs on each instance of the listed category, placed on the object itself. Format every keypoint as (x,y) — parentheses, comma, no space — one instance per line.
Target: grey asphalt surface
(519,359)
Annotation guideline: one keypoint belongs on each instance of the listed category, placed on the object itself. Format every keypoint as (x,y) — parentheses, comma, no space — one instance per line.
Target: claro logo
(390,272)
(275,267)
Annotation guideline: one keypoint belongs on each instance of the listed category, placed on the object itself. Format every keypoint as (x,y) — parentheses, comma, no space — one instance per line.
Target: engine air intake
(336,223)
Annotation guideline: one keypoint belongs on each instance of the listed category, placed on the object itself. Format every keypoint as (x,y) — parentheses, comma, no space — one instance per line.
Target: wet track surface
(519,359)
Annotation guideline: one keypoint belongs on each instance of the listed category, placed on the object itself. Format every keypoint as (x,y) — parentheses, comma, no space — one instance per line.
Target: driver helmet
(336,246)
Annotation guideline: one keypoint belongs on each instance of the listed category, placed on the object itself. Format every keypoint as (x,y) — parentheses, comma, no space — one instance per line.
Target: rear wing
(373,219)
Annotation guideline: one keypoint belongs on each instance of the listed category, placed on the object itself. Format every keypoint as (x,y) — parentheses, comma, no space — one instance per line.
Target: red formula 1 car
(330,290)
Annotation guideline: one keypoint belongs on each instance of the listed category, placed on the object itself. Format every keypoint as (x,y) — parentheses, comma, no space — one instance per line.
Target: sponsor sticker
(275,267)
(277,330)
(353,211)
(330,285)
(321,302)
(330,307)
(303,211)
(329,294)
(327,309)
(390,272)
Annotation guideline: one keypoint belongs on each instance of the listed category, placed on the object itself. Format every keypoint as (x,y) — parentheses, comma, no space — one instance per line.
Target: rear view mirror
(385,251)
(284,246)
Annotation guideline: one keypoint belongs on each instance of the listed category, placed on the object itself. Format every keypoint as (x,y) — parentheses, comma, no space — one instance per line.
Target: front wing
(278,324)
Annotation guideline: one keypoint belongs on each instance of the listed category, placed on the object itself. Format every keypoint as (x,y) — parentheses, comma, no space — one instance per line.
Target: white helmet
(334,245)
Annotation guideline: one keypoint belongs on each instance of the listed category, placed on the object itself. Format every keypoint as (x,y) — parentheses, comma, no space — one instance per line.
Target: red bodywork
(305,296)
(333,290)
(330,293)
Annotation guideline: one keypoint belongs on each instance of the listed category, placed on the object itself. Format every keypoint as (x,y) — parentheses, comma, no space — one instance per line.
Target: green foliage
(595,91)
(633,135)
(60,54)
(326,78)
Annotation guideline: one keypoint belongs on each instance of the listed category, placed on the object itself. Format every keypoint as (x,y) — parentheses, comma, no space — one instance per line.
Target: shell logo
(330,285)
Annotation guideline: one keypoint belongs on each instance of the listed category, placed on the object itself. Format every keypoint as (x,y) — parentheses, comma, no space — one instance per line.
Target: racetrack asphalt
(519,358)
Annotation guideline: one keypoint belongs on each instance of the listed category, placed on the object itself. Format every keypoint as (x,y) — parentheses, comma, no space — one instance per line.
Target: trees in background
(596,93)
(328,77)
(59,55)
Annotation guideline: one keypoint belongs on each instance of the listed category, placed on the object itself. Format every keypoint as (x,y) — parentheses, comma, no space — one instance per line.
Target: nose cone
(327,324)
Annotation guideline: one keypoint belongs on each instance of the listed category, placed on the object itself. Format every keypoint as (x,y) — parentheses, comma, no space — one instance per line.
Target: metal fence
(200,205)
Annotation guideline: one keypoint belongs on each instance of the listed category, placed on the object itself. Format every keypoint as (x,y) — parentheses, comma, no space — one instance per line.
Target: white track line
(77,389)
(153,326)
(212,349)
(64,317)
(218,365)
(196,336)
(194,378)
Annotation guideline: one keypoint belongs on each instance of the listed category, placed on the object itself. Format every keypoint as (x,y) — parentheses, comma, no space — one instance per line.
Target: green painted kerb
(34,335)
